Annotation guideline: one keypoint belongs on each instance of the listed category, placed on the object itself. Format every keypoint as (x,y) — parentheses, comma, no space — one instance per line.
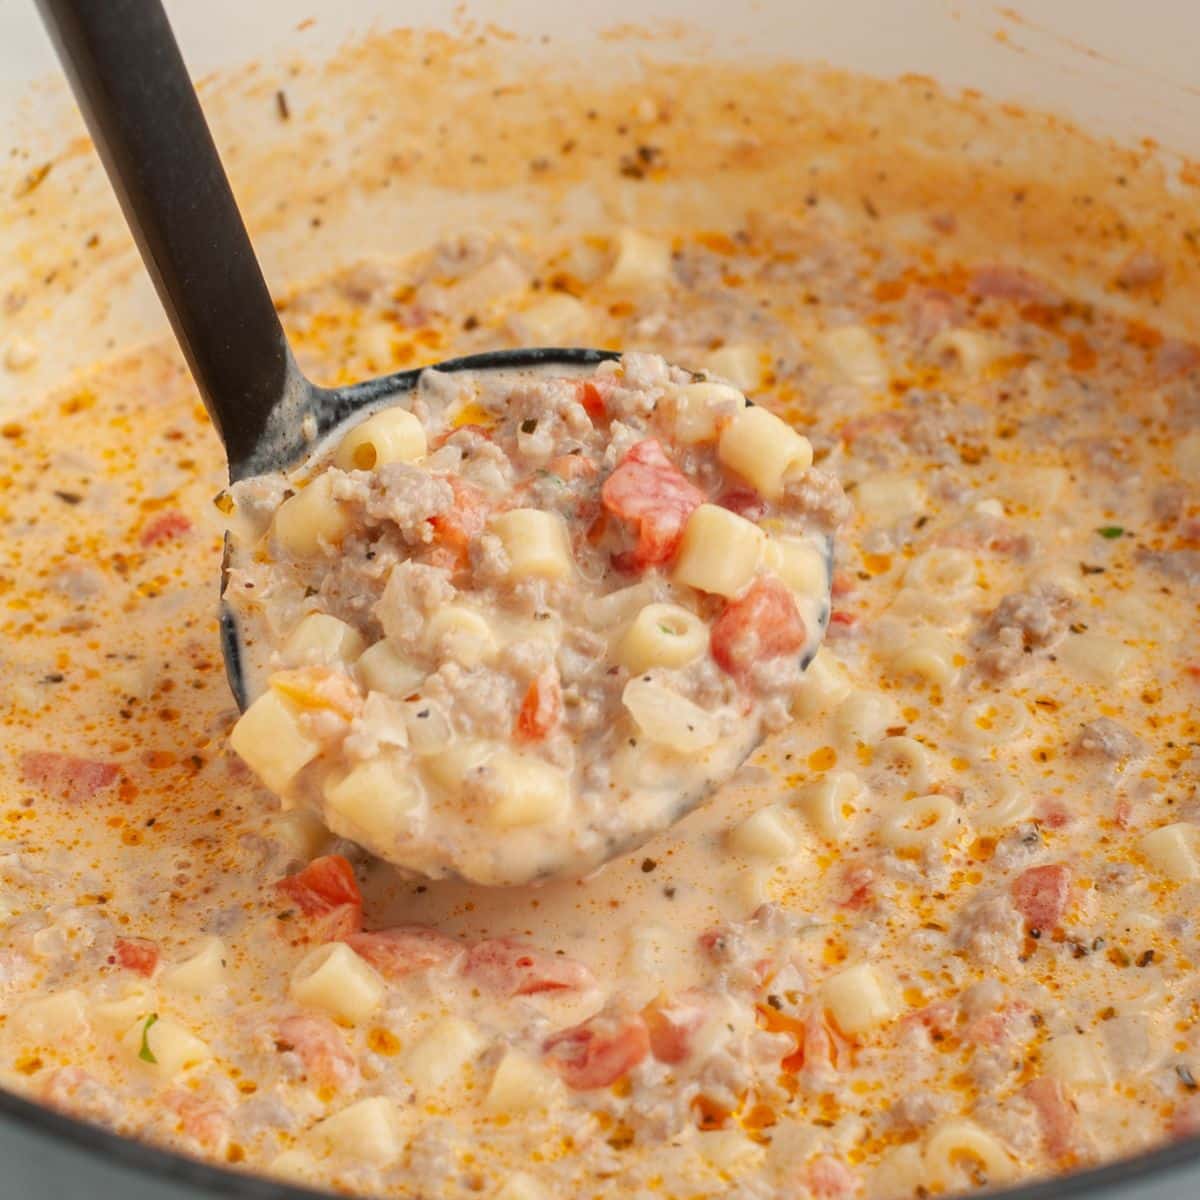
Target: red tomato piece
(66,777)
(405,949)
(455,529)
(572,466)
(321,1048)
(763,624)
(204,1121)
(139,955)
(858,882)
(842,623)
(541,710)
(592,399)
(939,1018)
(672,1025)
(597,1053)
(511,968)
(165,528)
(327,891)
(1041,895)
(830,1179)
(650,493)
(744,501)
(842,584)
(1001,282)
(1056,1115)
(823,1048)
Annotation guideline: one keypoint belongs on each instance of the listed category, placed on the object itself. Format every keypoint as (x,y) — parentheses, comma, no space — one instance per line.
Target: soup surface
(938,934)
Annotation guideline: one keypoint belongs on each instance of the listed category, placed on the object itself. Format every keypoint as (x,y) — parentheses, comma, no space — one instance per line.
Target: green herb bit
(1111,532)
(145,1053)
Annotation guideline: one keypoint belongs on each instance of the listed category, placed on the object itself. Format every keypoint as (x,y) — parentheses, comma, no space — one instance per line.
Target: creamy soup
(525,621)
(938,934)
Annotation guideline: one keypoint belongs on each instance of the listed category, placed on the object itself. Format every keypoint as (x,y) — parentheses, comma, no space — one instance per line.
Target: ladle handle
(134,91)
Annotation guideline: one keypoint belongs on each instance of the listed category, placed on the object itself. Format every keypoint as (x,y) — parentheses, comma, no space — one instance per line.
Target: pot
(1116,73)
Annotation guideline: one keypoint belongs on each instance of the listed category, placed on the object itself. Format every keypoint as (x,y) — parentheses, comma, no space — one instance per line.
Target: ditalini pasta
(420,597)
(938,936)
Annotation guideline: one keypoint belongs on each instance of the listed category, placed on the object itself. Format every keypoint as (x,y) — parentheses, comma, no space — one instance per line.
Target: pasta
(392,435)
(641,261)
(996,721)
(700,409)
(959,1145)
(720,551)
(311,518)
(766,834)
(933,820)
(366,1131)
(852,353)
(203,971)
(536,543)
(371,800)
(857,999)
(270,737)
(442,1056)
(832,803)
(161,1046)
(764,450)
(662,635)
(334,979)
(667,718)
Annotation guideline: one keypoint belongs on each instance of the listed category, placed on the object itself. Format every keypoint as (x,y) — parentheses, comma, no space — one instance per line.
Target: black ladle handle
(130,82)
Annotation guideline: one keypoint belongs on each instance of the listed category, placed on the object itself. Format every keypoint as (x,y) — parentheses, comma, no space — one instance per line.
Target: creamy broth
(938,934)
(524,622)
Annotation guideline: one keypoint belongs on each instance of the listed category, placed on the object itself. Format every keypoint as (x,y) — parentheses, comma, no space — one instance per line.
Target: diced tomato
(842,623)
(1056,1115)
(597,1053)
(1052,814)
(327,891)
(1176,357)
(824,1047)
(672,1024)
(68,1088)
(541,710)
(455,529)
(650,493)
(939,1018)
(201,1119)
(404,949)
(1001,282)
(858,882)
(744,501)
(165,528)
(139,955)
(1184,1124)
(322,1049)
(830,1179)
(511,968)
(66,777)
(1041,895)
(718,943)
(763,624)
(842,584)
(572,466)
(931,310)
(592,399)
(995,1028)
